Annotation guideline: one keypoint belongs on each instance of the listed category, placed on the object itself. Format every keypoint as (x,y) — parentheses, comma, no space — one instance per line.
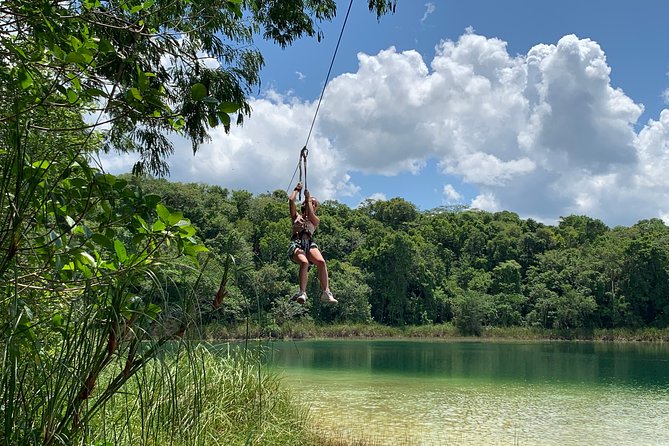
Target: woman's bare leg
(301,259)
(317,259)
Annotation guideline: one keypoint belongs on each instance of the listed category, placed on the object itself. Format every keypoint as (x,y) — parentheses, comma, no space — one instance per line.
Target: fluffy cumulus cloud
(261,156)
(451,195)
(543,134)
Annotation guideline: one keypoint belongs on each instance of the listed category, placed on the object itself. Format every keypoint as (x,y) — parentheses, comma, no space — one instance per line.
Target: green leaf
(191,250)
(198,91)
(75,43)
(43,164)
(151,200)
(86,258)
(152,310)
(105,46)
(95,92)
(213,120)
(141,222)
(228,107)
(175,218)
(85,270)
(187,231)
(136,94)
(163,213)
(159,226)
(57,320)
(72,96)
(106,178)
(25,79)
(121,253)
(224,118)
(210,100)
(75,57)
(58,52)
(90,4)
(101,240)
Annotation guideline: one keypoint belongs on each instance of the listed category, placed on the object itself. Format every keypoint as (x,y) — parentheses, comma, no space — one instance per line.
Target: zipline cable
(327,78)
(304,152)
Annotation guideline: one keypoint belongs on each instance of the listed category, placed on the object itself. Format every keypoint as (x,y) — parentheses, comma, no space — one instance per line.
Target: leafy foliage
(98,279)
(398,266)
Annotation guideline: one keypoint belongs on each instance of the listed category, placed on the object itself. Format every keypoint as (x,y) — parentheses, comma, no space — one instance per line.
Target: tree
(85,256)
(577,230)
(395,213)
(145,68)
(390,264)
(646,279)
(471,311)
(352,292)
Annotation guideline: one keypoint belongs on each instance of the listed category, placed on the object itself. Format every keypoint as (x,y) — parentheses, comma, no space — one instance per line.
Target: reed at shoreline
(311,330)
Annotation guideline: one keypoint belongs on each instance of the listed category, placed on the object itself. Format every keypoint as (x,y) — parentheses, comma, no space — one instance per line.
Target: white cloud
(378,196)
(451,195)
(485,202)
(429,9)
(543,134)
(261,156)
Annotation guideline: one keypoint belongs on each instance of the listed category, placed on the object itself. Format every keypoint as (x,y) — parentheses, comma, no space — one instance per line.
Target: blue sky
(545,109)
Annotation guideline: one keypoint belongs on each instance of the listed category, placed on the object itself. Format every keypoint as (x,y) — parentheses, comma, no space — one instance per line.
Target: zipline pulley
(303,165)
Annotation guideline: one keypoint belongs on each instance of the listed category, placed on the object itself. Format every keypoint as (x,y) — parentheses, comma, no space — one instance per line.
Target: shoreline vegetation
(311,330)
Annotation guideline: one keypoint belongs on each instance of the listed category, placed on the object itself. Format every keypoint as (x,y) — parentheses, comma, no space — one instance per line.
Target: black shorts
(297,244)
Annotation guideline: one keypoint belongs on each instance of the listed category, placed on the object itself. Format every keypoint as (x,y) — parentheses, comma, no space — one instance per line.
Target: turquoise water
(482,393)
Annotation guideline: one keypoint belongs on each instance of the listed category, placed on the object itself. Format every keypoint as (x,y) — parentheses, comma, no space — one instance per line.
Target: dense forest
(395,265)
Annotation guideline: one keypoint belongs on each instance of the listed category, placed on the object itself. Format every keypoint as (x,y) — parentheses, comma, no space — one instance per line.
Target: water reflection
(583,362)
(433,393)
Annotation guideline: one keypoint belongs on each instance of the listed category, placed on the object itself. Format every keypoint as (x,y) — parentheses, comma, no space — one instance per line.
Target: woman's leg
(317,259)
(301,259)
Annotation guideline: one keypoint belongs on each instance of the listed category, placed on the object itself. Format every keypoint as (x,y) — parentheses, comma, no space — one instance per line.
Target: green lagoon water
(482,393)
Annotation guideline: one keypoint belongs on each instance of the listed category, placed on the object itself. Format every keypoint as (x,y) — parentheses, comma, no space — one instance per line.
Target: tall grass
(218,398)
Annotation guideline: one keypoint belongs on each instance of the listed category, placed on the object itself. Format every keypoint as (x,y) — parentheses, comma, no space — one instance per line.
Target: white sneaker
(300,297)
(328,298)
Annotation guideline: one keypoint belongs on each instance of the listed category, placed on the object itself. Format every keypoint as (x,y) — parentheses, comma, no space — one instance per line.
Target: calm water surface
(482,393)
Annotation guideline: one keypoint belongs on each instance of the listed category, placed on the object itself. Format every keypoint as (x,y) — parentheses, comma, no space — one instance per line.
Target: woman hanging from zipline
(302,248)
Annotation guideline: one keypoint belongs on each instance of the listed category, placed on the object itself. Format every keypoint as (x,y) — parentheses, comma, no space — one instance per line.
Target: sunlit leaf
(121,253)
(163,213)
(175,218)
(43,164)
(187,231)
(136,94)
(192,250)
(25,79)
(72,96)
(85,257)
(57,320)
